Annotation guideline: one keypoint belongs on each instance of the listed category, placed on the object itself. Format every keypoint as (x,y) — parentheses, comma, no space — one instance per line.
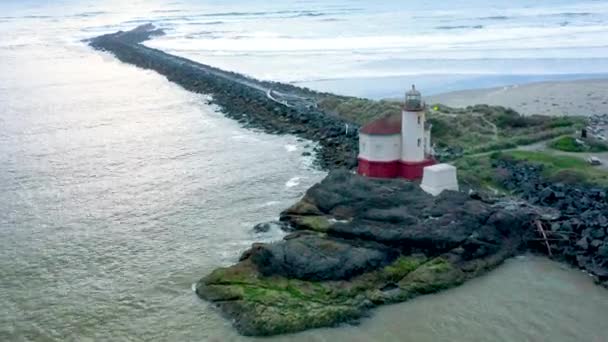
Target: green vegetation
(315,223)
(477,172)
(401,267)
(358,110)
(570,144)
(275,305)
(567,144)
(438,274)
(474,129)
(483,128)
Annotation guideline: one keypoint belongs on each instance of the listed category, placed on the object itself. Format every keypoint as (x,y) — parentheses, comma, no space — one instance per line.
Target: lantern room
(413,100)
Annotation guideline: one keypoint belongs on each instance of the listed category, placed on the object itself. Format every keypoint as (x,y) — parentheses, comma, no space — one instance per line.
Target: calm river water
(119,190)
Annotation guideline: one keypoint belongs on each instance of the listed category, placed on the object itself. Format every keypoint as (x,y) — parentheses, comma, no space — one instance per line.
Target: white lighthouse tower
(415,136)
(412,127)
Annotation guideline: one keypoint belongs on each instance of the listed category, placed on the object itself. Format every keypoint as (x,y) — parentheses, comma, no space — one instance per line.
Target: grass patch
(358,110)
(571,144)
(567,144)
(477,172)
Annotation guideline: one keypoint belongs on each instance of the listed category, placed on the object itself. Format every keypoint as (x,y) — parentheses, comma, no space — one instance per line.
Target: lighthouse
(397,145)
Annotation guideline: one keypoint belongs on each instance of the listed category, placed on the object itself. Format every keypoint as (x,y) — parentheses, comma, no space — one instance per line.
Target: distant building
(397,145)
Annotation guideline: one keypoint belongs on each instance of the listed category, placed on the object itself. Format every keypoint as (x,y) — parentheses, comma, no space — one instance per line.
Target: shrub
(567,144)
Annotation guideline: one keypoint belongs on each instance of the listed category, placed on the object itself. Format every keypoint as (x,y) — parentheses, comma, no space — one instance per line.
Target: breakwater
(578,233)
(271,106)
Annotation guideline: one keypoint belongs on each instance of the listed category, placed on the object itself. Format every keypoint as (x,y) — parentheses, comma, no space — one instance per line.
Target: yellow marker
(436,108)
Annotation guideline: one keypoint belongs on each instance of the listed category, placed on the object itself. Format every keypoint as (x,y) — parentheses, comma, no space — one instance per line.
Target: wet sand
(583,97)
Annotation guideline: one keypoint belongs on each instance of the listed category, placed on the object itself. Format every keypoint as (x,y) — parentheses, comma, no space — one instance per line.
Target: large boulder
(312,257)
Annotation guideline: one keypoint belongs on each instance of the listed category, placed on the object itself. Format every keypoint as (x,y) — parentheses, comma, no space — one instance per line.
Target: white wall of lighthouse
(413,136)
(380,148)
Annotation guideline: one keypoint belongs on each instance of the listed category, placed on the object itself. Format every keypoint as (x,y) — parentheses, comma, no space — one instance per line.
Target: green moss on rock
(276,305)
(303,208)
(433,276)
(402,267)
(315,223)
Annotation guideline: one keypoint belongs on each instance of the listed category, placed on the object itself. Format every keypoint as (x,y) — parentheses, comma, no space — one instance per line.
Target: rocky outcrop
(273,107)
(360,243)
(578,234)
(315,257)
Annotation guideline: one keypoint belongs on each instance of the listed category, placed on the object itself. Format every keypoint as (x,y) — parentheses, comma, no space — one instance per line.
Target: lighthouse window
(419,142)
(419,120)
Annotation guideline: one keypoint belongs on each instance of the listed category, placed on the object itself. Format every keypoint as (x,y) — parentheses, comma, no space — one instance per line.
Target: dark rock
(598,233)
(547,195)
(596,243)
(582,209)
(315,258)
(598,270)
(566,226)
(583,261)
(268,226)
(603,221)
(603,250)
(262,227)
(583,244)
(399,214)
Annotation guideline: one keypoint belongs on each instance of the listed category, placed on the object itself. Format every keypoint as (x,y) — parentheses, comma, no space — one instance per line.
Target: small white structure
(437,178)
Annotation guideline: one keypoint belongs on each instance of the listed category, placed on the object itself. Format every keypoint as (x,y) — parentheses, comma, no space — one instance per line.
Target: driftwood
(541,230)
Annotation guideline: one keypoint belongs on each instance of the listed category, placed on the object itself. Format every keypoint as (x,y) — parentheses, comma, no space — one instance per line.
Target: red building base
(393,169)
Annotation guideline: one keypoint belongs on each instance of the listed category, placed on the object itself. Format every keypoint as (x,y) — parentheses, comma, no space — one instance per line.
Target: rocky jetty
(273,107)
(360,243)
(578,234)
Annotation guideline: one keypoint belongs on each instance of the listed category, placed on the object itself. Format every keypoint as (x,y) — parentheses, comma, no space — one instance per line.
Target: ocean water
(375,49)
(119,190)
(365,48)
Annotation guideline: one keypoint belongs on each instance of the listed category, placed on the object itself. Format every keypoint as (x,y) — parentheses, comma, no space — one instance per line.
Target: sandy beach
(581,97)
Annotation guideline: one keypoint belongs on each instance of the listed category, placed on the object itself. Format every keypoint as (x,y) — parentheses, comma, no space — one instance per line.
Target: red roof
(387,125)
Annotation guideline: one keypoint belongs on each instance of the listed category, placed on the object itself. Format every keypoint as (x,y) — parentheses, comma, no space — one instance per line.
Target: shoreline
(553,95)
(389,87)
(552,98)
